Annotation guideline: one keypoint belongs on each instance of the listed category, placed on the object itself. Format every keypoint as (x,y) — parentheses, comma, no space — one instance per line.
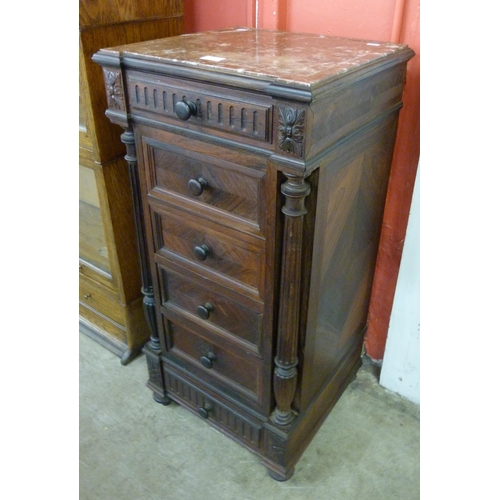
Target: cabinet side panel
(351,196)
(346,110)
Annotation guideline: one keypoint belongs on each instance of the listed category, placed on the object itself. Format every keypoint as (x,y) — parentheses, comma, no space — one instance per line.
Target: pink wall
(203,15)
(404,168)
(355,19)
(384,20)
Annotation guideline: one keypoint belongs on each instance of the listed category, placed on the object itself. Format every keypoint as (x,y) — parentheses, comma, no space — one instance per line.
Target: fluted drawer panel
(219,414)
(245,114)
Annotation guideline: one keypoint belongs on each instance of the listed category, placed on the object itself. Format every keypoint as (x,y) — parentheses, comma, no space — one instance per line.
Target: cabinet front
(209,252)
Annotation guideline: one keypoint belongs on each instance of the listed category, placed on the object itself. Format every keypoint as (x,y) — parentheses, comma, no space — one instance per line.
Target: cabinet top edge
(287,60)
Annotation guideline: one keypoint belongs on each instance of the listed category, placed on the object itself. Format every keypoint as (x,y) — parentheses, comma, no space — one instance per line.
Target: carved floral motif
(291,129)
(114,89)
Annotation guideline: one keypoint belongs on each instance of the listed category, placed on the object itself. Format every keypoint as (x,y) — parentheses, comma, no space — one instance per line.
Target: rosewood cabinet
(110,285)
(259,162)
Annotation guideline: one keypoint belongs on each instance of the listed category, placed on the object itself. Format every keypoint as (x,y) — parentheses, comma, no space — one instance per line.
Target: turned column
(153,348)
(295,190)
(147,287)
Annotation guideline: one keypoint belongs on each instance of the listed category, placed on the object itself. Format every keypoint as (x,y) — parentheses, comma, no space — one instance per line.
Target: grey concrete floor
(134,448)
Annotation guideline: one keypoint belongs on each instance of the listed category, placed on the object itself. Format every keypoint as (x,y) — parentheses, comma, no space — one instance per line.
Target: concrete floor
(134,448)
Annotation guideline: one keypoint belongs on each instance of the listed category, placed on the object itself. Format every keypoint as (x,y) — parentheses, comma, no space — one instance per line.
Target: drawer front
(228,253)
(218,366)
(235,112)
(214,411)
(203,179)
(115,332)
(206,306)
(101,299)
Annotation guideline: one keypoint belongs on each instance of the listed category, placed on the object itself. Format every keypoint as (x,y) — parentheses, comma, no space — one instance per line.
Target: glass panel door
(93,247)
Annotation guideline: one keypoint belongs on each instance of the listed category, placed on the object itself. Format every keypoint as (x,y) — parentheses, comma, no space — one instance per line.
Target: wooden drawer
(114,333)
(215,411)
(231,370)
(239,113)
(210,307)
(101,299)
(229,256)
(204,180)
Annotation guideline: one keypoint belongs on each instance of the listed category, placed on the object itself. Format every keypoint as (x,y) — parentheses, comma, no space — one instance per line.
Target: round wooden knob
(201,252)
(208,360)
(196,186)
(205,310)
(204,411)
(185,109)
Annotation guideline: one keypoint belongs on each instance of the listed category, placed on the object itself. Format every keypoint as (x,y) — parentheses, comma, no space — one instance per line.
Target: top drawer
(196,104)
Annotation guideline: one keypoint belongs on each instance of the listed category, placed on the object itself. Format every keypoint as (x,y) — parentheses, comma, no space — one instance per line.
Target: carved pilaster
(295,190)
(153,349)
(147,287)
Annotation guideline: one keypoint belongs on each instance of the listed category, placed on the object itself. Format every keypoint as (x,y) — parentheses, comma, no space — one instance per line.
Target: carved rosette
(114,89)
(291,129)
(295,190)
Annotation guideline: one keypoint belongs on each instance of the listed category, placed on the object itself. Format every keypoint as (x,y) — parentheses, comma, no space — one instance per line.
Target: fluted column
(147,287)
(153,347)
(295,190)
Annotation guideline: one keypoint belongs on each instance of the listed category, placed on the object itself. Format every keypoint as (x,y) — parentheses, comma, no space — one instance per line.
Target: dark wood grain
(351,195)
(226,189)
(295,189)
(236,319)
(230,254)
(230,369)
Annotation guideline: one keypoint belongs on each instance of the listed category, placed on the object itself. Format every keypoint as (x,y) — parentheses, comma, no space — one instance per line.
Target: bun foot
(163,400)
(277,476)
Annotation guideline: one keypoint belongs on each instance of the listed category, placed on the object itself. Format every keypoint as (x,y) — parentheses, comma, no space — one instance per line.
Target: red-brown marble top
(282,57)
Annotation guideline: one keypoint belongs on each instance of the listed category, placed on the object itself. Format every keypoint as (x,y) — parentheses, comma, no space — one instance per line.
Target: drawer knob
(204,411)
(196,186)
(208,360)
(185,109)
(87,296)
(205,310)
(201,252)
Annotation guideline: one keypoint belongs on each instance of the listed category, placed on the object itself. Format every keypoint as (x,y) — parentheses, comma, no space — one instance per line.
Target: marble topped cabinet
(259,163)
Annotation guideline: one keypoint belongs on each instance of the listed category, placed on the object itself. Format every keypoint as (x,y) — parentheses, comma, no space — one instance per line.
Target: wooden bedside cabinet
(259,163)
